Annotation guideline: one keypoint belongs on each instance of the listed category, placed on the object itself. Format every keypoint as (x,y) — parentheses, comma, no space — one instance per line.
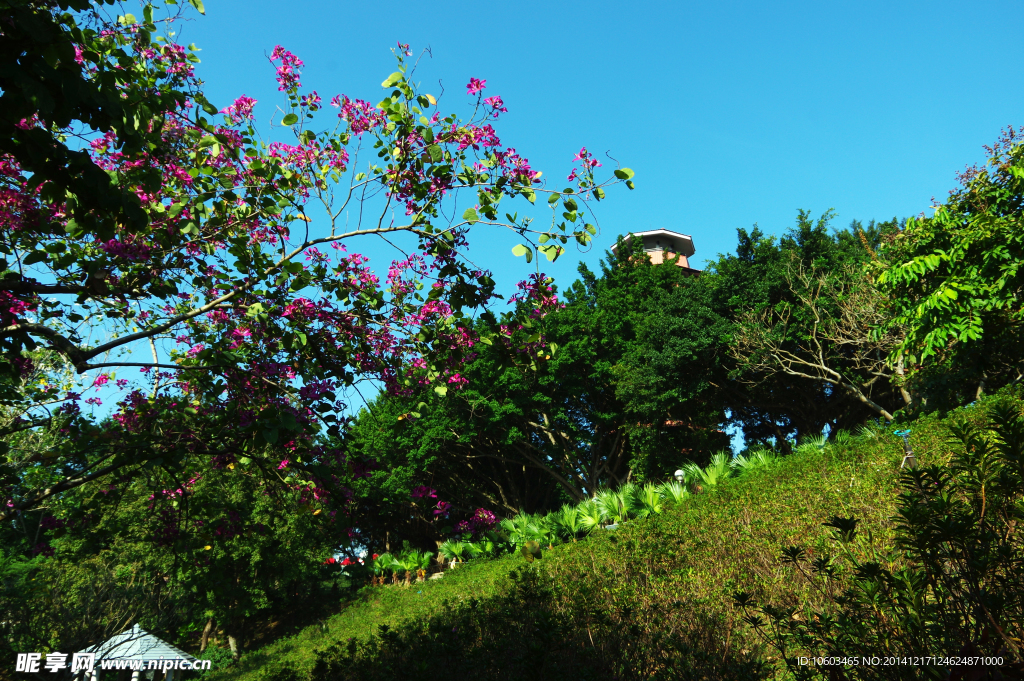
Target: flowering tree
(237,248)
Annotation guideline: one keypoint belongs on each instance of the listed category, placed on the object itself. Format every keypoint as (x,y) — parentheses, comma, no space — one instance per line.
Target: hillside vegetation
(651,599)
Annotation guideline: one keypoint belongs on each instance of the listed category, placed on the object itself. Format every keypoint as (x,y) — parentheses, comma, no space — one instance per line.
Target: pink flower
(497,106)
(288,71)
(101,380)
(475,85)
(424,492)
(283,464)
(241,110)
(442,509)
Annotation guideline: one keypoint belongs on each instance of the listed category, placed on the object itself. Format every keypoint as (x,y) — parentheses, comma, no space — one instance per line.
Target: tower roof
(675,241)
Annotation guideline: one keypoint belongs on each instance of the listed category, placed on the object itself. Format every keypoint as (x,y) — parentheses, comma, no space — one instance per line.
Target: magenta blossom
(423,492)
(288,71)
(241,110)
(442,509)
(497,106)
(475,85)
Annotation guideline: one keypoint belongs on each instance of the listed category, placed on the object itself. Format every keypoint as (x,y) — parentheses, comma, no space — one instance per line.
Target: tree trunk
(205,640)
(233,643)
(907,399)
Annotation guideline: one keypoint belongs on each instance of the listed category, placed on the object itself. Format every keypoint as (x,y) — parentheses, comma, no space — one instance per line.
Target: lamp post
(679,476)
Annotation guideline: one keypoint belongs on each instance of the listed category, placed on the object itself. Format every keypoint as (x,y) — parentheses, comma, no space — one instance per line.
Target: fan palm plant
(709,476)
(422,565)
(613,506)
(390,564)
(569,522)
(866,432)
(759,458)
(524,527)
(589,515)
(673,491)
(492,543)
(379,566)
(812,444)
(648,501)
(452,551)
(631,494)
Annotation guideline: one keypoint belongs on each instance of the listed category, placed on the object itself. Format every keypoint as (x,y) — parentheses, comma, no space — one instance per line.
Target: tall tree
(269,326)
(955,282)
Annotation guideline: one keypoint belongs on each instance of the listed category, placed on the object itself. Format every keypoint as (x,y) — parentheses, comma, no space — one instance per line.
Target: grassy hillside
(649,600)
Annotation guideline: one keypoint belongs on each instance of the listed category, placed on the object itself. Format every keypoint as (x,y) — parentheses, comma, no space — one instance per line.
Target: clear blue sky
(731,113)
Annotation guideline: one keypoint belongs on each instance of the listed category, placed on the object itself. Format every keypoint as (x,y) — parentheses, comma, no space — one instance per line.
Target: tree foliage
(955,281)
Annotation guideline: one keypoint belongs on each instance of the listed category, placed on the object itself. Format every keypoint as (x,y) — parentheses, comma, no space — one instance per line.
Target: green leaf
(553,199)
(624,174)
(436,153)
(34,257)
(270,435)
(552,251)
(523,250)
(198,4)
(530,195)
(290,119)
(629,183)
(441,390)
(598,193)
(391,80)
(470,215)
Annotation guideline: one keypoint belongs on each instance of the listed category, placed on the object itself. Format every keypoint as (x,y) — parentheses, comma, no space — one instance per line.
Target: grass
(651,599)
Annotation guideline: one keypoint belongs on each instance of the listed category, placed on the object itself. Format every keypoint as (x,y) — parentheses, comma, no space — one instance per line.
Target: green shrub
(952,584)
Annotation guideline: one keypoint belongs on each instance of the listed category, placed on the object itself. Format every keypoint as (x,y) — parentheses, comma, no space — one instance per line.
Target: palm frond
(589,515)
(673,491)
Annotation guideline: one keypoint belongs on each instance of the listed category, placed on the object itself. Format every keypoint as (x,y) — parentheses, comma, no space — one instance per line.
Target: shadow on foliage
(525,634)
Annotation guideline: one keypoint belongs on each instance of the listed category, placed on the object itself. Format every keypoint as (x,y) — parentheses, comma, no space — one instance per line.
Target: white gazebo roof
(681,244)
(137,644)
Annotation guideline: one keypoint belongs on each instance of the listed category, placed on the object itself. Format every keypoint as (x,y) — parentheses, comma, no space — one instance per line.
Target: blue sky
(731,113)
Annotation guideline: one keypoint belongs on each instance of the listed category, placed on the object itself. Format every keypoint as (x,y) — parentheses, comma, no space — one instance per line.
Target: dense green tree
(955,282)
(221,545)
(564,398)
(769,280)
